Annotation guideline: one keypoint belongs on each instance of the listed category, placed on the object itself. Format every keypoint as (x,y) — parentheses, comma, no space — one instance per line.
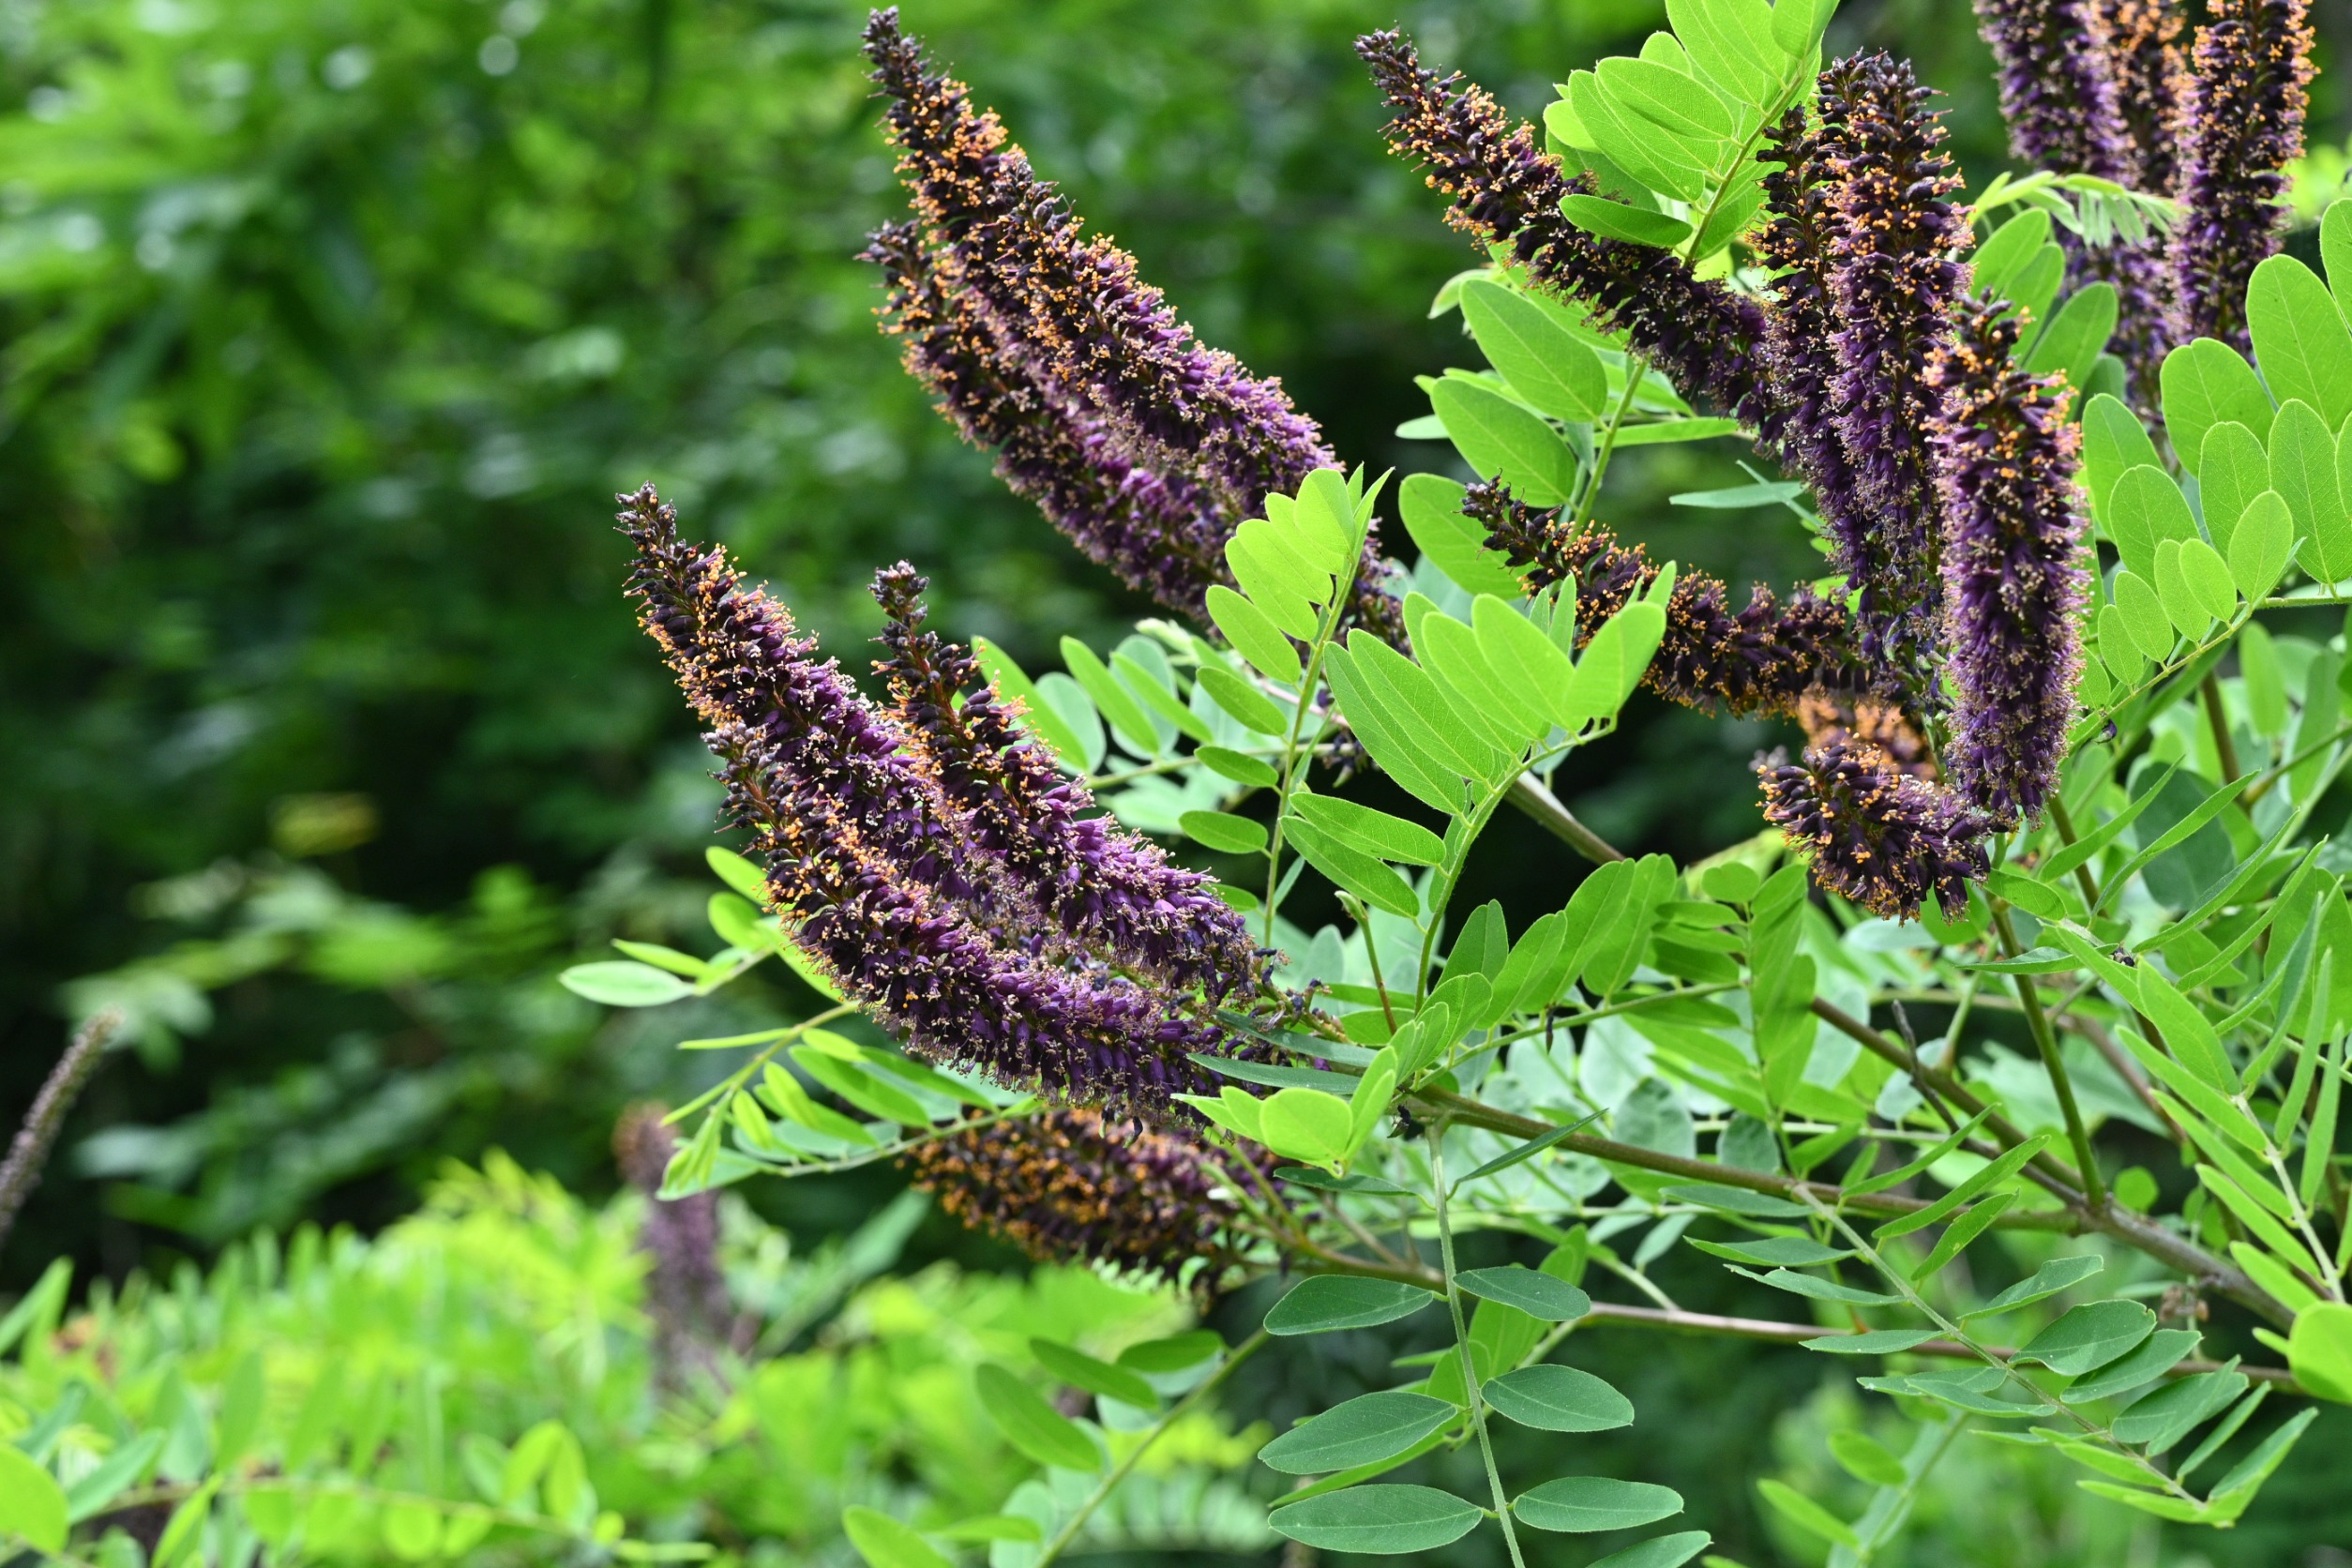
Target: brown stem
(21,1172)
(2217,719)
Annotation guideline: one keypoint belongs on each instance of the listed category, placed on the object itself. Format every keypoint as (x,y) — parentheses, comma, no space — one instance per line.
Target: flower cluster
(2142,42)
(1761,658)
(1506,191)
(915,908)
(1894,276)
(2005,459)
(686,1291)
(1876,834)
(1074,1186)
(1051,348)
(2241,123)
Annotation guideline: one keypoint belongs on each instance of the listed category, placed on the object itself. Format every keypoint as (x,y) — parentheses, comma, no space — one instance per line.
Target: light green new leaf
(2147,508)
(1609,219)
(2071,343)
(2207,576)
(1371,831)
(1432,509)
(2300,338)
(2203,382)
(2335,252)
(1306,1125)
(2144,615)
(32,1504)
(1526,661)
(2003,255)
(1391,736)
(2183,606)
(1244,702)
(1276,578)
(1224,831)
(1255,637)
(2303,471)
(2234,470)
(1807,1515)
(1413,696)
(1118,704)
(2319,1350)
(1450,651)
(1542,361)
(620,984)
(885,1542)
(2262,545)
(1501,439)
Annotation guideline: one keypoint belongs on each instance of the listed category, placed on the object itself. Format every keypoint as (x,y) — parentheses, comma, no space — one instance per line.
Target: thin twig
(35,1139)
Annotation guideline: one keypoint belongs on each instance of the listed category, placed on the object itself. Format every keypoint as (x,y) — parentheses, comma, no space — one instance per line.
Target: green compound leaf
(1432,509)
(1242,701)
(2203,382)
(2156,1355)
(1504,441)
(1580,1505)
(1177,1351)
(1597,215)
(1360,1431)
(1257,639)
(1538,1295)
(1374,833)
(618,983)
(2090,1337)
(2236,470)
(1873,1342)
(1669,1551)
(1330,1302)
(2262,545)
(1381,1520)
(1559,1399)
(1807,1515)
(1224,831)
(32,1504)
(2059,1273)
(1357,872)
(1031,1424)
(2299,338)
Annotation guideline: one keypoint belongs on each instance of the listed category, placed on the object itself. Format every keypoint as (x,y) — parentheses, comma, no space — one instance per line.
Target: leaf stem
(2086,1161)
(1472,1395)
(1070,1526)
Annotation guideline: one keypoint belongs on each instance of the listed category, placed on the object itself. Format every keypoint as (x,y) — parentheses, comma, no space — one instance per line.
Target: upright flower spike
(1506,191)
(872,869)
(2142,41)
(685,1290)
(1162,533)
(1896,280)
(1086,331)
(1874,834)
(2014,587)
(1104,888)
(2062,96)
(1760,658)
(1076,1186)
(1801,356)
(2241,124)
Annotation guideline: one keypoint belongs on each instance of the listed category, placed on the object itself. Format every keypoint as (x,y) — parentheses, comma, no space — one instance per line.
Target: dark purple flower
(1758,659)
(872,866)
(2014,584)
(1706,338)
(1801,356)
(1071,1186)
(1108,890)
(2142,40)
(1185,426)
(2062,95)
(1162,533)
(1872,833)
(1830,720)
(2241,124)
(1894,280)
(1078,307)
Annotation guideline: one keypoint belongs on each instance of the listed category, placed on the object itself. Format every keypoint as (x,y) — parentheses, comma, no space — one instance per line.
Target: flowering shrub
(2060,789)
(2046,888)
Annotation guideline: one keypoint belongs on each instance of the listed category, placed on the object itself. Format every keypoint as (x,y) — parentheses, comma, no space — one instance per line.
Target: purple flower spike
(2062,95)
(1071,1186)
(1894,279)
(1872,833)
(2243,124)
(2014,587)
(1162,533)
(1760,658)
(1078,307)
(1706,338)
(1801,354)
(2142,40)
(1105,888)
(875,870)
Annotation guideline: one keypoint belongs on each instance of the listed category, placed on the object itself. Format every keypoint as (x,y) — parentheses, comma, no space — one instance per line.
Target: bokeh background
(327,330)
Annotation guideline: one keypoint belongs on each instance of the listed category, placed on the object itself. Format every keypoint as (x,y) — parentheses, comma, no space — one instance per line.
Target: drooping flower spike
(1076,1186)
(1075,322)
(1872,833)
(2241,123)
(1506,190)
(1162,533)
(1103,887)
(877,873)
(2014,586)
(1760,658)
(1894,279)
